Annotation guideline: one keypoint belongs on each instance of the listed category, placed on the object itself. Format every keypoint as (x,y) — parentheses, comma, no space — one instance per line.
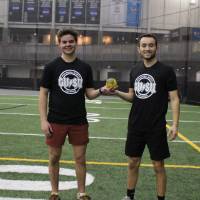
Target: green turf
(110,181)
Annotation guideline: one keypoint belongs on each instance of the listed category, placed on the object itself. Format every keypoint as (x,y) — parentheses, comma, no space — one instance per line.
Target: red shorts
(77,134)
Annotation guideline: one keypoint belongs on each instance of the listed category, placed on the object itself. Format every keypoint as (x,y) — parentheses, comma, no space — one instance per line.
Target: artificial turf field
(24,158)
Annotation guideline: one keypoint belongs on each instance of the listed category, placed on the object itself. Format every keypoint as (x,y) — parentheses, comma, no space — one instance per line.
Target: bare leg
(161,178)
(54,157)
(133,172)
(80,165)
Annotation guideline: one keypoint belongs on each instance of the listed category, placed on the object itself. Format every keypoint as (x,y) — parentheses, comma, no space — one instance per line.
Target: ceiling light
(192,2)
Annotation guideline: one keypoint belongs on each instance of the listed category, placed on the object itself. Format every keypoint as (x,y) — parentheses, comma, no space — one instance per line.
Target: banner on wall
(45,11)
(133,12)
(40,11)
(62,11)
(30,10)
(196,34)
(117,13)
(93,12)
(15,10)
(78,11)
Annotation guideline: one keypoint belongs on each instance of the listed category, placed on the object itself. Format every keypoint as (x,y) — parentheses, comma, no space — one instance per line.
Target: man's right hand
(46,128)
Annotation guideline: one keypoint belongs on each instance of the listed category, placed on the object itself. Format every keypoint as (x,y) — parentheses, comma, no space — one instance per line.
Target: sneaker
(54,197)
(83,197)
(127,198)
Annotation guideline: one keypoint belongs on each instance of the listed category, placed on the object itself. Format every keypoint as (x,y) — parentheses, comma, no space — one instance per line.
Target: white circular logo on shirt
(70,81)
(144,86)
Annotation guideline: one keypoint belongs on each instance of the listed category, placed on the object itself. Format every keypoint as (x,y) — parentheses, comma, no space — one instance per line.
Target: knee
(80,160)
(133,164)
(54,160)
(159,167)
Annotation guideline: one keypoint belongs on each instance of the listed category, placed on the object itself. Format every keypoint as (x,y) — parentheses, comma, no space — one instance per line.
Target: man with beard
(152,84)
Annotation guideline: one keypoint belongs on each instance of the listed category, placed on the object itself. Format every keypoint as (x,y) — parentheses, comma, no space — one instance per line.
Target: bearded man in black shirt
(151,85)
(65,82)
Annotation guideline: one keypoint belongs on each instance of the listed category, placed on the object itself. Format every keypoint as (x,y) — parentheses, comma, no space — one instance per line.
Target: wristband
(100,91)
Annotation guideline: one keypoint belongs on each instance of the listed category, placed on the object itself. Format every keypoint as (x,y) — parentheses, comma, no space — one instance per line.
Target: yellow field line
(96,163)
(194,146)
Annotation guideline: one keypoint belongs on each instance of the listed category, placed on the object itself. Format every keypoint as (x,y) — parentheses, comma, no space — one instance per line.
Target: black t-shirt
(150,103)
(67,83)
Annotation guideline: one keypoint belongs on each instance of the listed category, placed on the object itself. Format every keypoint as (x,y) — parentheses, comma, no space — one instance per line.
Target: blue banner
(62,11)
(45,11)
(78,11)
(15,11)
(93,12)
(30,10)
(133,13)
(195,33)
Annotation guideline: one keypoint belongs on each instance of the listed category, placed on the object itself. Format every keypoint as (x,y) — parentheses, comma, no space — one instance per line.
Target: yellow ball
(111,83)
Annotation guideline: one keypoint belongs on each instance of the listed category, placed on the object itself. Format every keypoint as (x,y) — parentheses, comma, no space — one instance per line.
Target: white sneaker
(83,196)
(126,198)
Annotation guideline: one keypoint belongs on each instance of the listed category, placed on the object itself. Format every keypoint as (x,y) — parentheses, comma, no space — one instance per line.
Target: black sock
(161,198)
(131,193)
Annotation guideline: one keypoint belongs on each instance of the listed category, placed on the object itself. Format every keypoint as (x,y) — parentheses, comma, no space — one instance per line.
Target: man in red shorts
(65,82)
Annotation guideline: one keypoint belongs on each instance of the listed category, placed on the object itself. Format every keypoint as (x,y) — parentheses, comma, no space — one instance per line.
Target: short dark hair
(63,32)
(147,35)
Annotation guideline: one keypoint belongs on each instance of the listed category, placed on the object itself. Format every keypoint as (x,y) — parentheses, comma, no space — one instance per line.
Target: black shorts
(156,142)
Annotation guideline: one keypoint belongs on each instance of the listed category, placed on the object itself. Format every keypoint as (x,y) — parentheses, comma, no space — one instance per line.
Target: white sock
(80,194)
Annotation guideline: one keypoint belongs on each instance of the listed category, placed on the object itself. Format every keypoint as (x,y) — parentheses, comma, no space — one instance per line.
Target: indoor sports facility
(108,32)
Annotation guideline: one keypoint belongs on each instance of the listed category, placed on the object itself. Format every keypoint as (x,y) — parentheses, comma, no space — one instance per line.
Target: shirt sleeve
(171,80)
(131,80)
(89,80)
(46,79)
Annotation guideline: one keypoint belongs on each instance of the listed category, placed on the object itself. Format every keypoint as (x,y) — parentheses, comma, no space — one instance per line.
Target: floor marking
(10,198)
(22,114)
(119,164)
(187,111)
(91,137)
(92,117)
(38,185)
(188,105)
(97,117)
(17,104)
(107,108)
(23,134)
(98,107)
(194,146)
(19,98)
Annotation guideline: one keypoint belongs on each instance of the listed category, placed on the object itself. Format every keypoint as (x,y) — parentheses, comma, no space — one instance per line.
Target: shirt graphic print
(70,81)
(144,86)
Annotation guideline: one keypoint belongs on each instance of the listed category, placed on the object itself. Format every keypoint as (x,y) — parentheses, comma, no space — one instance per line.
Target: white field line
(87,100)
(18,98)
(187,111)
(95,117)
(10,198)
(23,114)
(108,108)
(99,138)
(15,104)
(5,96)
(97,107)
(185,105)
(92,107)
(17,93)
(101,98)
